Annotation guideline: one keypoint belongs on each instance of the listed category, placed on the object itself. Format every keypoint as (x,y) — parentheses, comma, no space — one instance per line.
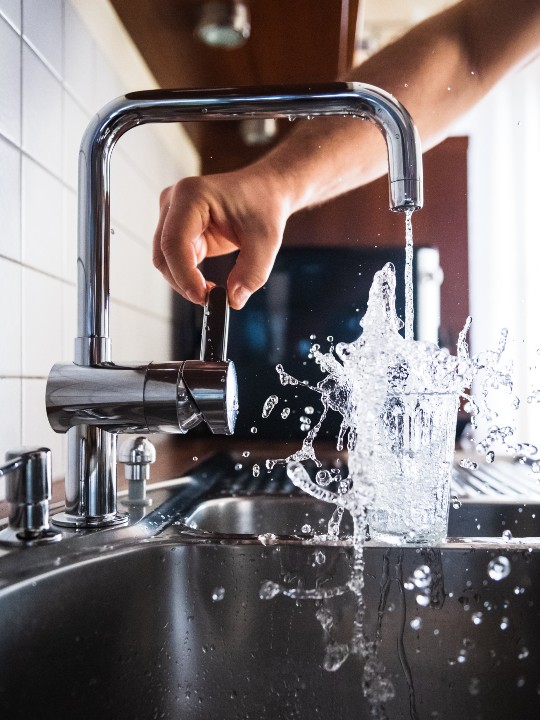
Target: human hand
(214,215)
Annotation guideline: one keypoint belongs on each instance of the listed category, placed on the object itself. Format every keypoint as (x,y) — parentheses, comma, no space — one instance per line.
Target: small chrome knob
(137,455)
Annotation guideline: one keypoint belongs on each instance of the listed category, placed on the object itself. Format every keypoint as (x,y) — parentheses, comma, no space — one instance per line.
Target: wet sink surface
(283,515)
(172,625)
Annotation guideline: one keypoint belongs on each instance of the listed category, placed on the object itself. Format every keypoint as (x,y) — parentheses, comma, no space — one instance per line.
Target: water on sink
(398,399)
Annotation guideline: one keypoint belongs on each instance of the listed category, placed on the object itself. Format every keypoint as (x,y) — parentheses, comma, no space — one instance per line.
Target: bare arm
(438,70)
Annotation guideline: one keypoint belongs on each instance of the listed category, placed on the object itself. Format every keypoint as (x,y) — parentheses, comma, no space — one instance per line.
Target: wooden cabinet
(361,218)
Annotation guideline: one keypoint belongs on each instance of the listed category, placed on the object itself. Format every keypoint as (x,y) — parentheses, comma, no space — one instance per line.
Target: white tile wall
(10,422)
(10,307)
(54,76)
(10,200)
(42,112)
(79,58)
(42,196)
(12,11)
(43,30)
(10,82)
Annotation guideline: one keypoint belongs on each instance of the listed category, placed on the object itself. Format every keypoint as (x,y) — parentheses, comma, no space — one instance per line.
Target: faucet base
(65,519)
(13,538)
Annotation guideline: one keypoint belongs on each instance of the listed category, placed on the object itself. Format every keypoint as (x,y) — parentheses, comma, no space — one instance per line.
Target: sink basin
(164,620)
(286,515)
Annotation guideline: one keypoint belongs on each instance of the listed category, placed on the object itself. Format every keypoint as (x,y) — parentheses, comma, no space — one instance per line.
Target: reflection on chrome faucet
(93,399)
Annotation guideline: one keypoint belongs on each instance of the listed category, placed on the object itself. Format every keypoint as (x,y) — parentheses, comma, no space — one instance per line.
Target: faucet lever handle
(215,326)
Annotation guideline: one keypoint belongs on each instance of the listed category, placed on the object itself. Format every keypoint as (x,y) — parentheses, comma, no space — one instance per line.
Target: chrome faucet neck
(91,476)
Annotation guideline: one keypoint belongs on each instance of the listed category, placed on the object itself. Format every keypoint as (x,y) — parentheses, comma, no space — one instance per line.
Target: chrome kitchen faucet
(93,399)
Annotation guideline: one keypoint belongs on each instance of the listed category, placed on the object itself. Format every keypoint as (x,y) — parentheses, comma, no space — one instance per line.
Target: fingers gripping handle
(211,381)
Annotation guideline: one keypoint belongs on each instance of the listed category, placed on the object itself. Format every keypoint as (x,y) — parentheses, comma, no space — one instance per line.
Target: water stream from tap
(409,287)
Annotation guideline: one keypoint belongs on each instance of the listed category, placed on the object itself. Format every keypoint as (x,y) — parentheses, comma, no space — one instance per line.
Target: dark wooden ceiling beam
(292,41)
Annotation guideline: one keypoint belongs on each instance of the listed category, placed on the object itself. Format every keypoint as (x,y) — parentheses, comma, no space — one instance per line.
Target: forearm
(438,70)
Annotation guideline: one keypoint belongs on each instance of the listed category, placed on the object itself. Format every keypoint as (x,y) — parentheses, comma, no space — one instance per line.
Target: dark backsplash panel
(311,291)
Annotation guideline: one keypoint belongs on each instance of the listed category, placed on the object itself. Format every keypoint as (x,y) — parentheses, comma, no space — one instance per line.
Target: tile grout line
(21,292)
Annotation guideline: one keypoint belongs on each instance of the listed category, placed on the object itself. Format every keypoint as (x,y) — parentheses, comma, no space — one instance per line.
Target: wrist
(284,180)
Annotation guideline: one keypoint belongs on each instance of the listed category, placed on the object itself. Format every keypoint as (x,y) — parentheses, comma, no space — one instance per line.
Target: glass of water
(411,466)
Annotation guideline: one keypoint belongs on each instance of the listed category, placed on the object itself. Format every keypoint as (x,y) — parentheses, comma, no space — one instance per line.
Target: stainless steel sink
(288,515)
(164,619)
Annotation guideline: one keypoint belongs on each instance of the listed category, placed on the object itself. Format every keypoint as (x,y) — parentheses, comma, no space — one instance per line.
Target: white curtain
(504,235)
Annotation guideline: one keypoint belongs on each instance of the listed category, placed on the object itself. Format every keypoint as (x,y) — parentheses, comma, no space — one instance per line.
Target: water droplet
(423,600)
(309,410)
(490,456)
(499,568)
(256,470)
(506,535)
(519,590)
(505,624)
(195,458)
(520,681)
(306,529)
(335,522)
(416,623)
(477,618)
(523,653)
(238,466)
(269,404)
(270,464)
(267,538)
(469,464)
(421,576)
(312,337)
(320,557)
(285,413)
(456,502)
(269,590)
(218,594)
(335,656)
(474,686)
(330,338)
(323,478)
(254,430)
(245,453)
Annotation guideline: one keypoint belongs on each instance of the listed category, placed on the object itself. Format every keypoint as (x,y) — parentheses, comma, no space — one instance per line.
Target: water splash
(269,405)
(389,391)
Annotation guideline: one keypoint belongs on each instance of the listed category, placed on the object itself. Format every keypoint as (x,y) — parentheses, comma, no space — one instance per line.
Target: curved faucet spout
(156,106)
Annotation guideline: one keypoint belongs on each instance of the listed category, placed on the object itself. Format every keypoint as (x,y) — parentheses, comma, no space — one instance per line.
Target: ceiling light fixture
(224,23)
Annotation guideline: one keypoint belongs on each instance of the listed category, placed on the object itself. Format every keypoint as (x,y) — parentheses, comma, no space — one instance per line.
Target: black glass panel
(311,291)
